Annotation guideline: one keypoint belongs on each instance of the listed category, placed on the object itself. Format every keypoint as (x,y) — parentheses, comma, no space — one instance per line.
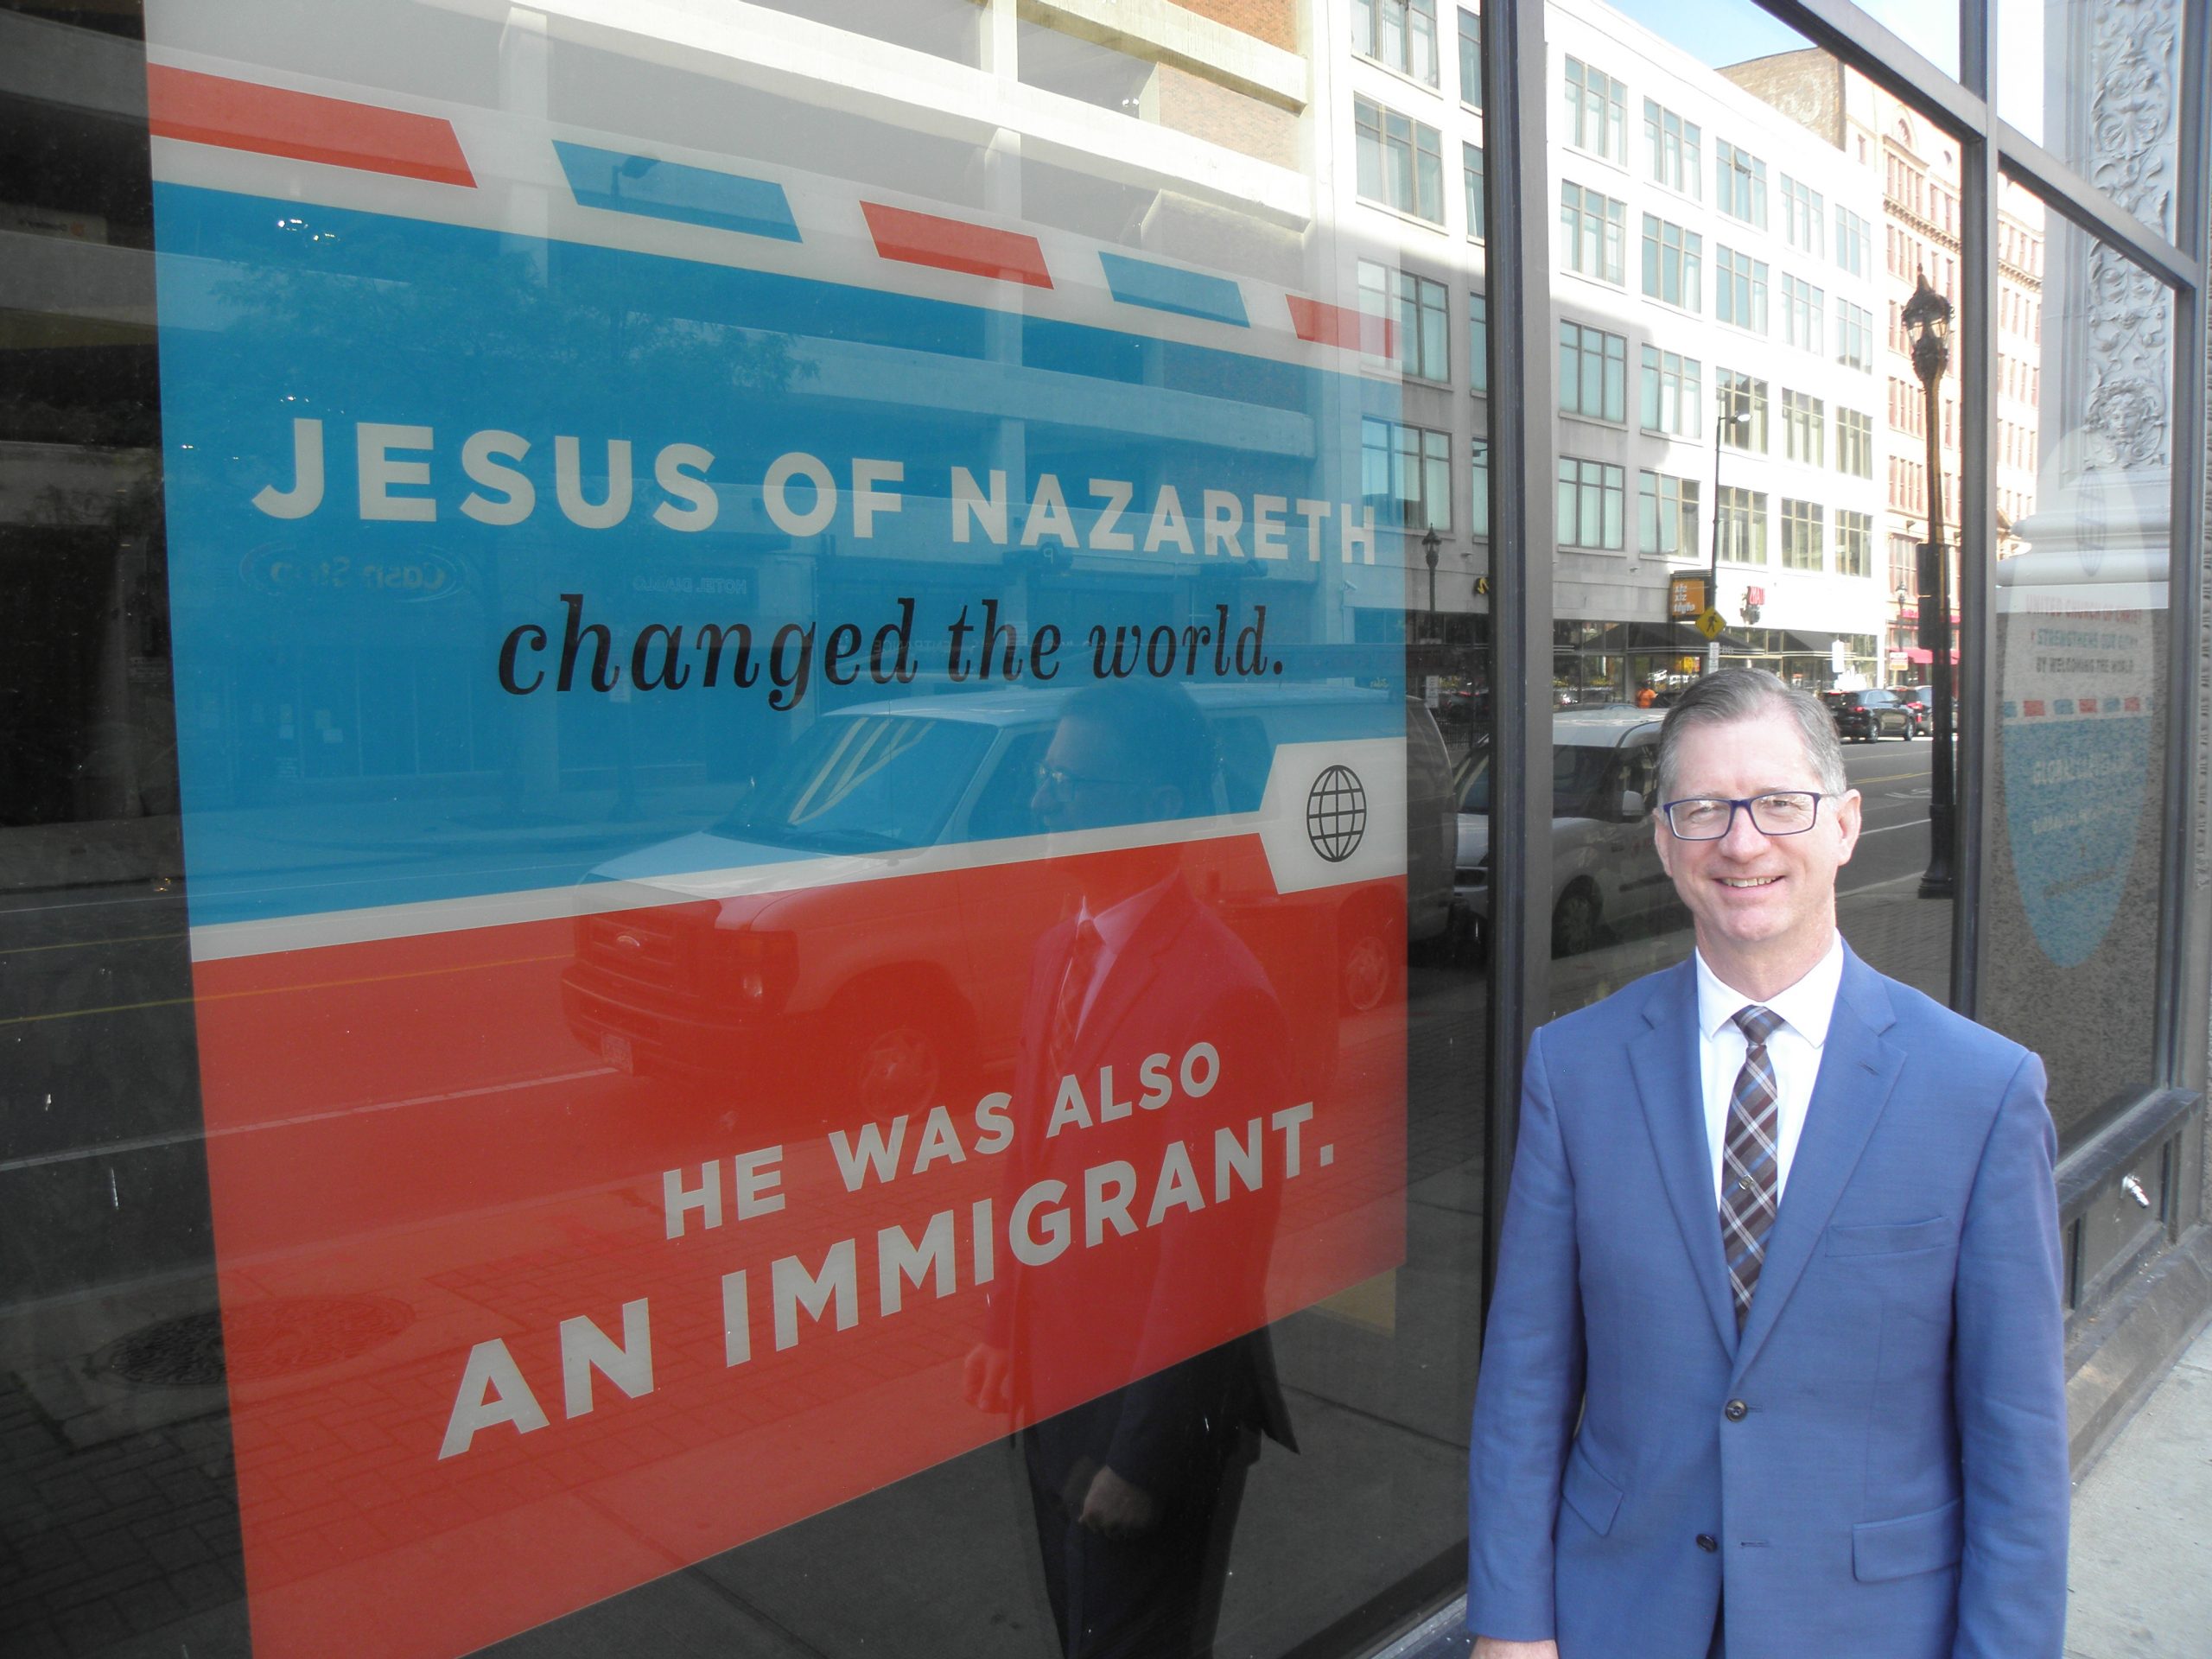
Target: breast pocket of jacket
(1890,1238)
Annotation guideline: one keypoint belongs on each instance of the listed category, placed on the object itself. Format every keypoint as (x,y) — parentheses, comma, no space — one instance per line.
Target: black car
(1867,716)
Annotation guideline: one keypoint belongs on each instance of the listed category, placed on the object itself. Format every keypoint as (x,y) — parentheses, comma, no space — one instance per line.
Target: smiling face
(1765,905)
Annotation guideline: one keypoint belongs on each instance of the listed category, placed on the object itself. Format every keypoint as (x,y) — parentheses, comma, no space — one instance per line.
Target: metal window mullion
(1516,96)
(2067,193)
(2185,963)
(1977,689)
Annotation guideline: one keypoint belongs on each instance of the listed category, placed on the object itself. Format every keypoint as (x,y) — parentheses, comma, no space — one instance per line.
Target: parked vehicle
(922,995)
(1605,870)
(1868,716)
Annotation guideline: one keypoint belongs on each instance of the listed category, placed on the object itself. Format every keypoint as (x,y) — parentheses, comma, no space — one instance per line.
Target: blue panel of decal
(692,196)
(1163,288)
(516,449)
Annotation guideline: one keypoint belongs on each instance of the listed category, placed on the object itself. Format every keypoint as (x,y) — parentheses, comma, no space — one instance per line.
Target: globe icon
(1336,814)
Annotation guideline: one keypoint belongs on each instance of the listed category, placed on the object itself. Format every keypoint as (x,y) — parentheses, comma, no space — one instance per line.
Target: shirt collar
(1807,1007)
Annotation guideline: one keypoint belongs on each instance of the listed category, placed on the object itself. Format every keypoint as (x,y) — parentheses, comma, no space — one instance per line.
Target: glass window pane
(2082,632)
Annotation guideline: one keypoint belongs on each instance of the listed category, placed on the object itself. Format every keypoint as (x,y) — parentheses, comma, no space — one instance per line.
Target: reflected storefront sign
(790,862)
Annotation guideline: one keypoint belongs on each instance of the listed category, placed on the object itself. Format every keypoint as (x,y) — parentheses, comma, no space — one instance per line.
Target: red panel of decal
(953,244)
(649,1249)
(272,121)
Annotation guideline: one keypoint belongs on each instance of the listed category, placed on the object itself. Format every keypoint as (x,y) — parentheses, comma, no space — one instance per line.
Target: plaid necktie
(1067,1009)
(1749,1168)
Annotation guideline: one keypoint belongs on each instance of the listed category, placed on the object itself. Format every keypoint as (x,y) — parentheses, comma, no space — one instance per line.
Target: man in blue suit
(1773,1369)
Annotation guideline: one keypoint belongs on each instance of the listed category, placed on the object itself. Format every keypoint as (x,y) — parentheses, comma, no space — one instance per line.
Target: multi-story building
(1715,308)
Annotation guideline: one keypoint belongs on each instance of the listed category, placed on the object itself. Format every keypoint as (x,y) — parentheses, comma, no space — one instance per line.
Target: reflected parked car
(1605,871)
(920,994)
(1868,716)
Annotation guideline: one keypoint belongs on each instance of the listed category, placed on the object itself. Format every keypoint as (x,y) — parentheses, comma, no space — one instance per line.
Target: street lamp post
(1727,416)
(1430,545)
(1926,319)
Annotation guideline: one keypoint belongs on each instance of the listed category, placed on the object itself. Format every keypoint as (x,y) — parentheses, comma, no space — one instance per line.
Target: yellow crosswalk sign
(1710,624)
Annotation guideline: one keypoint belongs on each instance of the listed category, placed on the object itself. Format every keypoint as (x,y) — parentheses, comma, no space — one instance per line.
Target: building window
(1854,336)
(1405,474)
(1666,515)
(1674,263)
(1855,241)
(1738,183)
(1470,163)
(1401,162)
(1801,535)
(1801,307)
(1597,114)
(1417,308)
(1471,57)
(1478,343)
(1740,395)
(1854,442)
(1804,216)
(1399,33)
(1674,148)
(1854,540)
(1478,491)
(1740,290)
(1595,227)
(1804,428)
(1591,501)
(1674,393)
(1741,516)
(1593,373)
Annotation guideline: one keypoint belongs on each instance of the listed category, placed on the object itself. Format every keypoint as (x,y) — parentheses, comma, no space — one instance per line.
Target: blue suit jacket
(1879,1461)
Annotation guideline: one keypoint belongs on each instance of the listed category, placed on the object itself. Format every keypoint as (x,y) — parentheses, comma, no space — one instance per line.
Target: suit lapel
(1135,966)
(1858,1070)
(1663,1058)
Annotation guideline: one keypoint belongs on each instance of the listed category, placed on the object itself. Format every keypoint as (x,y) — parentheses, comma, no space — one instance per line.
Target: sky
(1717,32)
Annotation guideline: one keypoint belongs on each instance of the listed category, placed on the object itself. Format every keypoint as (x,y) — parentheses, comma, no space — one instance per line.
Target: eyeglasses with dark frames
(1777,812)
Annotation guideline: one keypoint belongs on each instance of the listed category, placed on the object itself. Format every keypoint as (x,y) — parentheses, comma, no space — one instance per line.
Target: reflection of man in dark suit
(1136,1490)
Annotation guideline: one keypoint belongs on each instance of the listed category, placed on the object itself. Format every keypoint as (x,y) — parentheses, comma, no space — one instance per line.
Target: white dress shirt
(1794,1050)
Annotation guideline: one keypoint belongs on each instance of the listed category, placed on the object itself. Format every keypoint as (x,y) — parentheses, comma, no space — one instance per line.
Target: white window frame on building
(1419,310)
(1400,35)
(1804,216)
(1671,393)
(1597,113)
(1674,259)
(1803,528)
(1593,504)
(1675,151)
(1741,516)
(1803,307)
(1666,515)
(1804,428)
(1593,373)
(1593,237)
(1416,473)
(1738,183)
(1737,393)
(1399,160)
(1740,285)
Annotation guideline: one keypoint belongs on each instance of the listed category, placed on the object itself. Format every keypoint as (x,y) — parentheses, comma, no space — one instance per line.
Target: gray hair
(1740,694)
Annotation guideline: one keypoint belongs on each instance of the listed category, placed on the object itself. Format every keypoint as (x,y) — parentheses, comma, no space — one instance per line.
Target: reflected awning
(1921,654)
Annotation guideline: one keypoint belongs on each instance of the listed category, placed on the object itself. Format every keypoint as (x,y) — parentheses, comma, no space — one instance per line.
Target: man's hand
(983,1378)
(1490,1648)
(1113,1507)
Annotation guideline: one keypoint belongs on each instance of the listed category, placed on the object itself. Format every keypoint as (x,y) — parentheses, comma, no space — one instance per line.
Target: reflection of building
(1922,223)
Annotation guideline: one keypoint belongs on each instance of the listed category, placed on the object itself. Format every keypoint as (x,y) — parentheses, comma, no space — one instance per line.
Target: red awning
(1921,654)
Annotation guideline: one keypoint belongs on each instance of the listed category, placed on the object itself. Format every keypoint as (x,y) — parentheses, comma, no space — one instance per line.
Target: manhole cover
(278,1339)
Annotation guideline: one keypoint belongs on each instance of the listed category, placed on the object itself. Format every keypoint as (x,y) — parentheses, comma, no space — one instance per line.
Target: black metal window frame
(1523,461)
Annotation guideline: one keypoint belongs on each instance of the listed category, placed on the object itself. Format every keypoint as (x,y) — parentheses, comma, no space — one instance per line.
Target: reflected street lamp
(1429,544)
(1728,416)
(1926,319)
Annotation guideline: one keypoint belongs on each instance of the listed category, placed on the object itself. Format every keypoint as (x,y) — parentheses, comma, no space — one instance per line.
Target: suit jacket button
(1736,1411)
(1708,1542)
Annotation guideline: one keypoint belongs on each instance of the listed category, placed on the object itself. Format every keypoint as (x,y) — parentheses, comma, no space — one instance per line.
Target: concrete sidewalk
(2139,1582)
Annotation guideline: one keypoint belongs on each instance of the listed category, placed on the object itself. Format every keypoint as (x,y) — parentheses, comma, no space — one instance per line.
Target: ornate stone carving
(2133,65)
